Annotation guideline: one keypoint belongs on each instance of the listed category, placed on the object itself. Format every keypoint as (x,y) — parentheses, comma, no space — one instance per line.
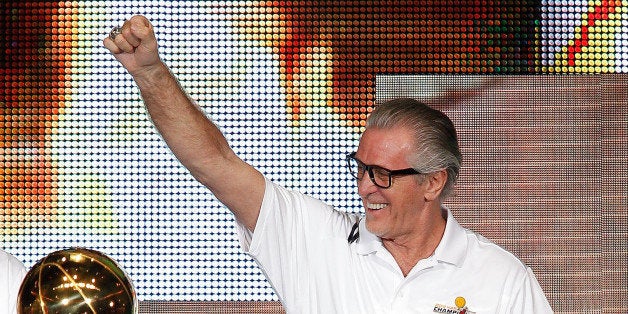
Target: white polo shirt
(301,245)
(12,271)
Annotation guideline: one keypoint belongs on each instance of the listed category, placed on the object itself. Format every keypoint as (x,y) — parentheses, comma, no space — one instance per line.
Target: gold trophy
(76,280)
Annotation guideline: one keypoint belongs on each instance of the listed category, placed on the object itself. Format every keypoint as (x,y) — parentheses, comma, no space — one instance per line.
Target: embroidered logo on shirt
(460,307)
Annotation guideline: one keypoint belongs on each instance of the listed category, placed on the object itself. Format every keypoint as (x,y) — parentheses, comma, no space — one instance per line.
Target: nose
(366,185)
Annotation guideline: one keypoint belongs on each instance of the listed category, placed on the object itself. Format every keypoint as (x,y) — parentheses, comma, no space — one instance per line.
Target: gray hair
(436,139)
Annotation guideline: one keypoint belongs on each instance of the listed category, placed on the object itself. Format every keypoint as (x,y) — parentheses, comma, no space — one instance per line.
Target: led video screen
(291,83)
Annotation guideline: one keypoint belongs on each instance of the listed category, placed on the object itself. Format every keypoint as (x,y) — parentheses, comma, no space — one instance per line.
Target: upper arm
(239,186)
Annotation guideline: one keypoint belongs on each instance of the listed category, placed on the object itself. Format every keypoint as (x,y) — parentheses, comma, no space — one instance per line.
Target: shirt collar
(451,249)
(368,242)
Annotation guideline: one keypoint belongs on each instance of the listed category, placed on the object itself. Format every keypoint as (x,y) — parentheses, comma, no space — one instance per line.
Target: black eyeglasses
(381,177)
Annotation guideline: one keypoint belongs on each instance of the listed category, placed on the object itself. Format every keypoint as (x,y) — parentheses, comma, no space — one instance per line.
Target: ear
(435,182)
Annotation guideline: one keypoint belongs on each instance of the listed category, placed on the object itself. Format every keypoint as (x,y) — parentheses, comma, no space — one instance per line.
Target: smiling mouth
(376,206)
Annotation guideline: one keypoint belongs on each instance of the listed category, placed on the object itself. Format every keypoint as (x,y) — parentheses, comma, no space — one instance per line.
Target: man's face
(391,212)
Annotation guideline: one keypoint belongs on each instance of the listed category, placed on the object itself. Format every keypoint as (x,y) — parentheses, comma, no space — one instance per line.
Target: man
(407,255)
(12,272)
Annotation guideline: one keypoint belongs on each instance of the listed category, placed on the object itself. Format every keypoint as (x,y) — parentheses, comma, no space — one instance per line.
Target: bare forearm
(199,144)
(193,138)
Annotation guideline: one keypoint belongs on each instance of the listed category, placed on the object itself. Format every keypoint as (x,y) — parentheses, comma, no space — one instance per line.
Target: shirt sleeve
(530,298)
(289,235)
